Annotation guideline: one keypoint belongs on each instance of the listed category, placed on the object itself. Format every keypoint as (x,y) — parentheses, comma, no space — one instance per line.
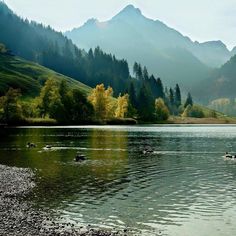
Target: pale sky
(201,20)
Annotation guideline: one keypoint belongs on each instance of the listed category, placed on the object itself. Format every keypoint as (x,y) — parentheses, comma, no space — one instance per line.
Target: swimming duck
(31,145)
(80,157)
(47,147)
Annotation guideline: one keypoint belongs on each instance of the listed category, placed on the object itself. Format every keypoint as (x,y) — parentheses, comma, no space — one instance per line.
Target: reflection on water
(184,187)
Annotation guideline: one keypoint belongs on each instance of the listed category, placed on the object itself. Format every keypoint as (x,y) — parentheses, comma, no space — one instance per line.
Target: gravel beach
(17,215)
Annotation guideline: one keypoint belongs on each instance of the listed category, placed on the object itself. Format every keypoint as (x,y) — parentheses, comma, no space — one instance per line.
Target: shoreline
(171,121)
(20,218)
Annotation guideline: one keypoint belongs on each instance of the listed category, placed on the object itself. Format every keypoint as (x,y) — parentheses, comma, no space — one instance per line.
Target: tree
(189,101)
(161,110)
(49,98)
(79,110)
(177,96)
(132,95)
(145,105)
(101,100)
(139,72)
(122,106)
(160,89)
(171,97)
(135,69)
(10,107)
(145,73)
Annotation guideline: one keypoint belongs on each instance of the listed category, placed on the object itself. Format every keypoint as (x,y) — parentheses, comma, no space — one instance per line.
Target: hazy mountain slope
(163,50)
(220,84)
(28,76)
(53,50)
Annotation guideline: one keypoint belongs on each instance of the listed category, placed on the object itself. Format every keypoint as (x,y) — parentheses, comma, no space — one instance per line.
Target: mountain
(233,52)
(43,45)
(16,72)
(165,51)
(220,84)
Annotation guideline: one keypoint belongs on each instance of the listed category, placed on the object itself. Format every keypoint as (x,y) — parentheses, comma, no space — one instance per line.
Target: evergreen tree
(189,101)
(140,72)
(132,95)
(177,96)
(171,97)
(145,73)
(160,89)
(135,70)
(145,105)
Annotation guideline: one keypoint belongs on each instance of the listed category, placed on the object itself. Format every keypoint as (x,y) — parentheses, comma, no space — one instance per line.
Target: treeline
(64,105)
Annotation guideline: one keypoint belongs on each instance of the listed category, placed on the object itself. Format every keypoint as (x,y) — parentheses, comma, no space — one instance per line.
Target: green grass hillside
(16,72)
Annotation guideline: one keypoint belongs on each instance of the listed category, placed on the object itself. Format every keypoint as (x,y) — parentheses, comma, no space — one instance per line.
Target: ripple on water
(183,186)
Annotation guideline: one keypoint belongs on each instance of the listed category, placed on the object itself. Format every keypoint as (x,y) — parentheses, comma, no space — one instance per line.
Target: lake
(185,187)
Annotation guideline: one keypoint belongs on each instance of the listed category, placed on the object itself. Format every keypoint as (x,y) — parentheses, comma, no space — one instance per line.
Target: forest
(59,104)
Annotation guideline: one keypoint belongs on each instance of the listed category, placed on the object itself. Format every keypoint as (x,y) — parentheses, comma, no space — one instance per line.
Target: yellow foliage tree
(161,110)
(122,106)
(101,100)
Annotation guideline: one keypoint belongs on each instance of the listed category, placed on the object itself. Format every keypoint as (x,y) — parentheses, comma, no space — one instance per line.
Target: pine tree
(140,72)
(177,96)
(146,106)
(189,101)
(160,89)
(171,97)
(145,73)
(135,70)
(132,95)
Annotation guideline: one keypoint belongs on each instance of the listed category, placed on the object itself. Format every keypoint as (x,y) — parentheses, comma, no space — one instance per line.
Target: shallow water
(185,187)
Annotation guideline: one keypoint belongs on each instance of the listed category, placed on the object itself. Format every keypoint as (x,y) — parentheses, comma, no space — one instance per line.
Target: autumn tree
(122,106)
(161,110)
(101,100)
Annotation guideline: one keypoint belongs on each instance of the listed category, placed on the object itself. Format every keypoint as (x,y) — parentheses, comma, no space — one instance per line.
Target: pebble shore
(19,218)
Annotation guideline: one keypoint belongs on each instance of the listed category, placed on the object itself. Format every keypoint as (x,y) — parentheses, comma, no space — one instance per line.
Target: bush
(193,111)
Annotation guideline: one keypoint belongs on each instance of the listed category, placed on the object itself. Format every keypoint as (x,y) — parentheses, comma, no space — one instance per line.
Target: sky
(201,20)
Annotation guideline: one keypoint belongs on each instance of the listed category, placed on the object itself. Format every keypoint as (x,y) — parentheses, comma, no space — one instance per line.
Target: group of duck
(78,158)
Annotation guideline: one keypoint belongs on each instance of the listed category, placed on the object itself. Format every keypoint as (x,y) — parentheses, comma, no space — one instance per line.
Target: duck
(80,158)
(31,145)
(229,156)
(47,147)
(147,150)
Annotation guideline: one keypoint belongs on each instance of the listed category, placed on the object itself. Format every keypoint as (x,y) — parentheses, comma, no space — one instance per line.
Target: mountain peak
(131,8)
(128,11)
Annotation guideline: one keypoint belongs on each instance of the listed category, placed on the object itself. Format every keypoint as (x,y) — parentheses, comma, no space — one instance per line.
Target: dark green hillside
(28,76)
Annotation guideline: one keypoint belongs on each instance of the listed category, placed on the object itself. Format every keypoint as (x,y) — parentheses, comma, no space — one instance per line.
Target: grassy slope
(29,77)
(220,118)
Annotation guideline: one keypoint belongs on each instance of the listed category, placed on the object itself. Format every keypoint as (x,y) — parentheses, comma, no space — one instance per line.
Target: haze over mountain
(165,51)
(220,84)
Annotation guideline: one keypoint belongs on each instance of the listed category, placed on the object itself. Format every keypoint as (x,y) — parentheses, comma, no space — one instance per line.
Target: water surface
(184,188)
